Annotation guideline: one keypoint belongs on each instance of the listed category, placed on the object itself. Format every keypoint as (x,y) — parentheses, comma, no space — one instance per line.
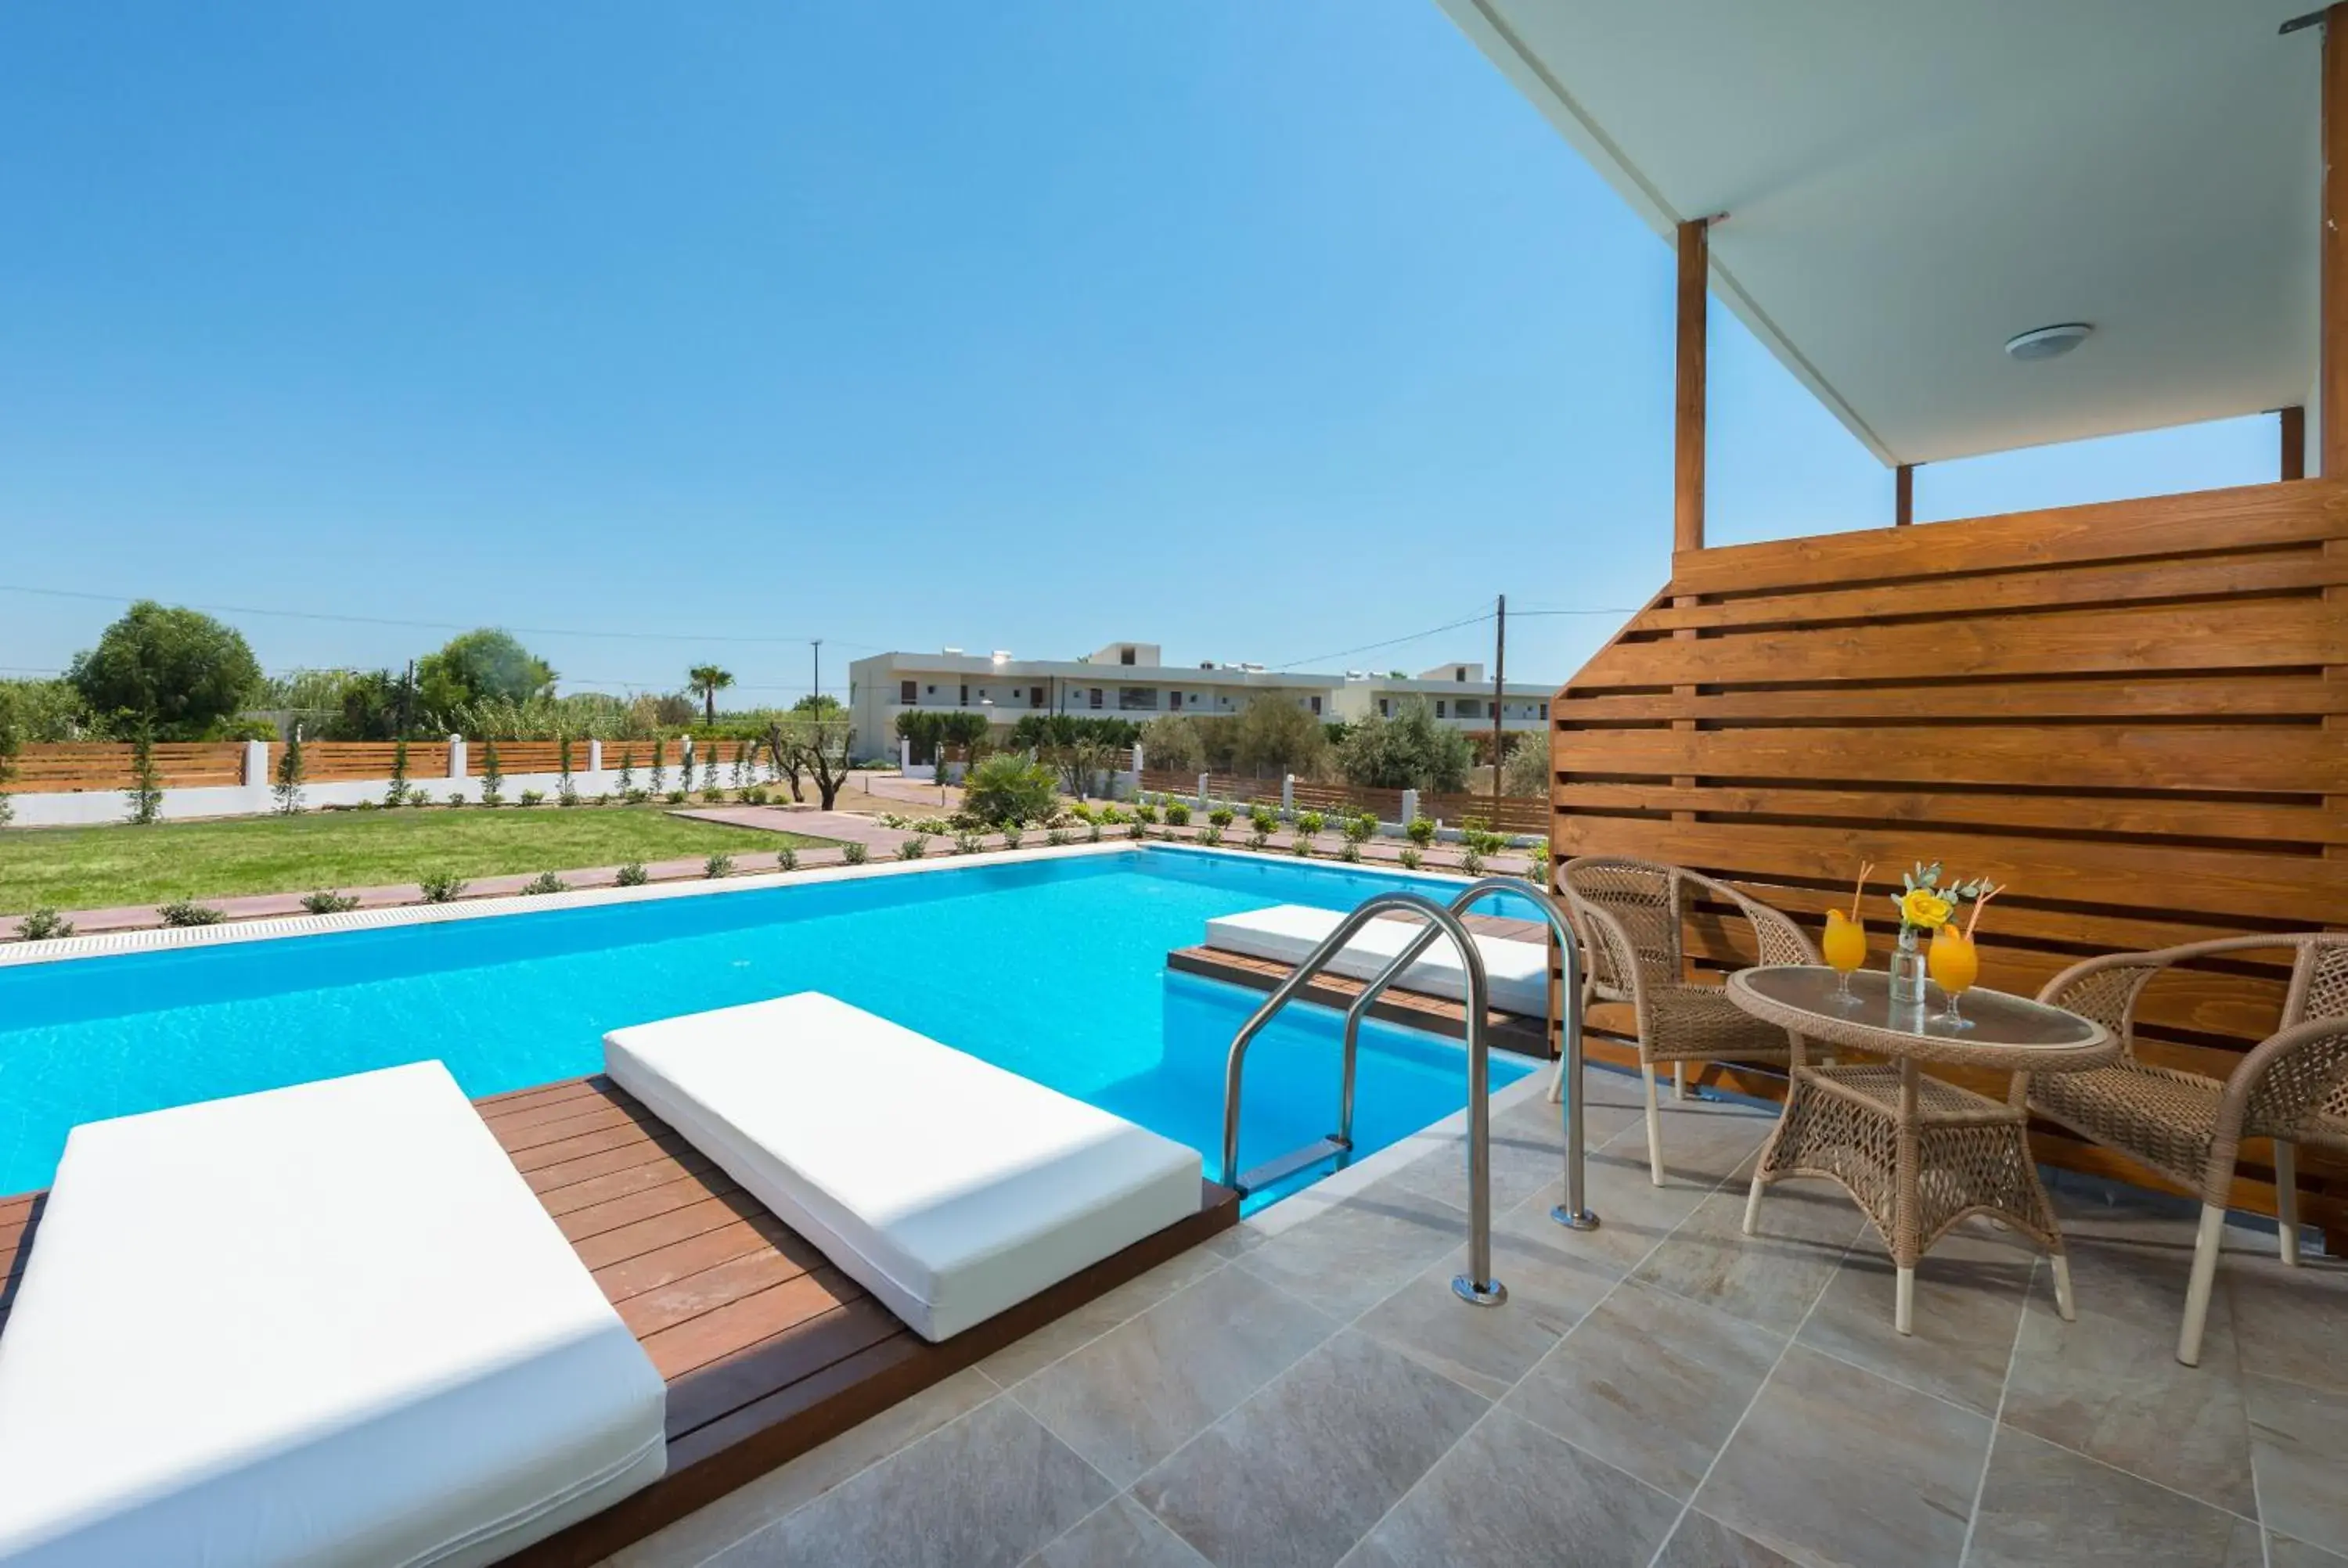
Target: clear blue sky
(1258,330)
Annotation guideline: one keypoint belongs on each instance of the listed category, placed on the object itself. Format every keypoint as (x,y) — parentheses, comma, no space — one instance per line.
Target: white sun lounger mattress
(327,1325)
(1517,973)
(948,1187)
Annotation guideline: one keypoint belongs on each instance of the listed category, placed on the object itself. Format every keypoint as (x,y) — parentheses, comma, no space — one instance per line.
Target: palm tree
(709,680)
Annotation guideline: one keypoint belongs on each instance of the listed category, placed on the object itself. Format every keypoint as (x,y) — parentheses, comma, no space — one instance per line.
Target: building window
(1125,655)
(1438,709)
(1386,707)
(1471,709)
(907,692)
(1035,696)
(1174,701)
(1138,699)
(965,695)
(1096,697)
(934,691)
(1460,673)
(1316,704)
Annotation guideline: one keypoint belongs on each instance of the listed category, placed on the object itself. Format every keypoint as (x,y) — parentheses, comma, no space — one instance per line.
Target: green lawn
(87,868)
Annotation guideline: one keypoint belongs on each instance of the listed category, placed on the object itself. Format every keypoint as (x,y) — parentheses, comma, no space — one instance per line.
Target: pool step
(1288,1164)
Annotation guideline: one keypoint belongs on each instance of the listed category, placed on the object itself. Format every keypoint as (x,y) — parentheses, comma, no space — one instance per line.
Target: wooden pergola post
(1903,495)
(2332,366)
(1687,426)
(2293,423)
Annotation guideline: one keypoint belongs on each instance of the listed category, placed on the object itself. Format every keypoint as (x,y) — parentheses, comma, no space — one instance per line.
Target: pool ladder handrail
(1574,1213)
(1477,1285)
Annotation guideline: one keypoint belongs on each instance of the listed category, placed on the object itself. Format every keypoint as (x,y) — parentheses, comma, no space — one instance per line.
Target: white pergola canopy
(1909,185)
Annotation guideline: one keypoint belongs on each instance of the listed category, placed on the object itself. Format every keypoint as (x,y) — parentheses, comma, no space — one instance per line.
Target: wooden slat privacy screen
(2130,713)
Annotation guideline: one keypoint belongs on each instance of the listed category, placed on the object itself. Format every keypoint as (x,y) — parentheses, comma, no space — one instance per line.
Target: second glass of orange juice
(1845,946)
(1955,965)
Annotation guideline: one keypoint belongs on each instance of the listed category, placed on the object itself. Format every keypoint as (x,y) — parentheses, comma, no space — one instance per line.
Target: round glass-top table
(2008,1031)
(1918,1154)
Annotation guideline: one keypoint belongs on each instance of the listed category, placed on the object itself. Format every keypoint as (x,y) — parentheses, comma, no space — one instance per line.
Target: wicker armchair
(2293,1088)
(1630,916)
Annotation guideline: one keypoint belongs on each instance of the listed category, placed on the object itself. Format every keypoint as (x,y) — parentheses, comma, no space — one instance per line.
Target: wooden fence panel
(70,766)
(2119,709)
(337,761)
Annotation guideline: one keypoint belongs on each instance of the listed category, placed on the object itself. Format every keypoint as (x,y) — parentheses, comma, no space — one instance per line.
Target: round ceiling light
(2048,343)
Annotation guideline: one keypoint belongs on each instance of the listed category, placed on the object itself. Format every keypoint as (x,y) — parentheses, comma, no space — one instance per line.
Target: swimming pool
(1052,966)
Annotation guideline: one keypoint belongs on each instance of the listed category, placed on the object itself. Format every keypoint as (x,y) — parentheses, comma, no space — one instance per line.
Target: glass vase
(1908,971)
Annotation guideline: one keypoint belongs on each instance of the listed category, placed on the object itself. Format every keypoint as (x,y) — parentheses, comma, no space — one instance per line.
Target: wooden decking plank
(15,1209)
(645,1236)
(850,1374)
(716,1388)
(550,1113)
(581,1144)
(493,1105)
(670,1306)
(618,1214)
(519,1140)
(547,1178)
(767,1313)
(632,1276)
(653,1172)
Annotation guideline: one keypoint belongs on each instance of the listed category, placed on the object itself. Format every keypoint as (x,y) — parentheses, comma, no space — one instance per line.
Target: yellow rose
(1923,908)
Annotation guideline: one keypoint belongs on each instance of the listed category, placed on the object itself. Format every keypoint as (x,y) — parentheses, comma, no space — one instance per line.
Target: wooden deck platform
(1411,1010)
(767,1348)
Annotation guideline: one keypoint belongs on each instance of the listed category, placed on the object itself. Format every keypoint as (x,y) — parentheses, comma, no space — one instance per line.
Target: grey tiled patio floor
(1664,1391)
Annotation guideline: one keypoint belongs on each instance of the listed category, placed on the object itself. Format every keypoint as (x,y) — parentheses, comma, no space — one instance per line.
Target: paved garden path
(840,827)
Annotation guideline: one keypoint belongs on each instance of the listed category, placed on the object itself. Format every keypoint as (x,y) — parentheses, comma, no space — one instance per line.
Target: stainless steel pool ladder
(1477,1285)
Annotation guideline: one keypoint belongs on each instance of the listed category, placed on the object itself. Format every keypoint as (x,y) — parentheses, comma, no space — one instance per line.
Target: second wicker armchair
(1632,917)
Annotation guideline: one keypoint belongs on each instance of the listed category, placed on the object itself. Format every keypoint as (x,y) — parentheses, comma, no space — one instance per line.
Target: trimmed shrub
(1178,814)
(396,790)
(44,925)
(1012,834)
(1472,861)
(787,859)
(1360,827)
(634,875)
(1421,831)
(327,901)
(1411,856)
(533,797)
(1265,818)
(185,912)
(1351,852)
(718,865)
(914,847)
(1257,840)
(440,887)
(967,842)
(543,884)
(1056,836)
(493,775)
(853,853)
(676,797)
(1210,836)
(1222,817)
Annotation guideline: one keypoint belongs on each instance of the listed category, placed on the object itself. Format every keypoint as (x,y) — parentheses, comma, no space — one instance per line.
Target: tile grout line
(1997,1418)
(1750,1405)
(1496,1401)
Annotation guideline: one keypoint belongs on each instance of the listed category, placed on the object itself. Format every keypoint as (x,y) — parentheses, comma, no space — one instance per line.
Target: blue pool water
(1053,969)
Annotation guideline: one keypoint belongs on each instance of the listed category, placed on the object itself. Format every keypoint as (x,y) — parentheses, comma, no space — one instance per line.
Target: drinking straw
(1980,904)
(1858,889)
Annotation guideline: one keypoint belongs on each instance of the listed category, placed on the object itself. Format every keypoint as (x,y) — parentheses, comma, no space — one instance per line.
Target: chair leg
(2066,1306)
(1903,1308)
(1557,1083)
(1753,1205)
(2286,1201)
(2205,1275)
(1679,1081)
(1655,1129)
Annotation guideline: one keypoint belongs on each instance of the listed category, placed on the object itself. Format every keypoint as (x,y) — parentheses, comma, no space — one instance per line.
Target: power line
(1389,642)
(425,625)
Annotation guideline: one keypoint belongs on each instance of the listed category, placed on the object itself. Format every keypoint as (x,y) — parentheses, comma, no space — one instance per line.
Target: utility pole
(816,707)
(1500,690)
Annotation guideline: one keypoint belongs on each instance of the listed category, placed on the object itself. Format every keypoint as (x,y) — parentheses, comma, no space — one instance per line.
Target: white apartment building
(1460,693)
(1132,681)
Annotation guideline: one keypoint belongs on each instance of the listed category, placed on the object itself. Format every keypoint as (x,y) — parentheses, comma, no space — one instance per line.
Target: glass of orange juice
(1845,946)
(1954,964)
